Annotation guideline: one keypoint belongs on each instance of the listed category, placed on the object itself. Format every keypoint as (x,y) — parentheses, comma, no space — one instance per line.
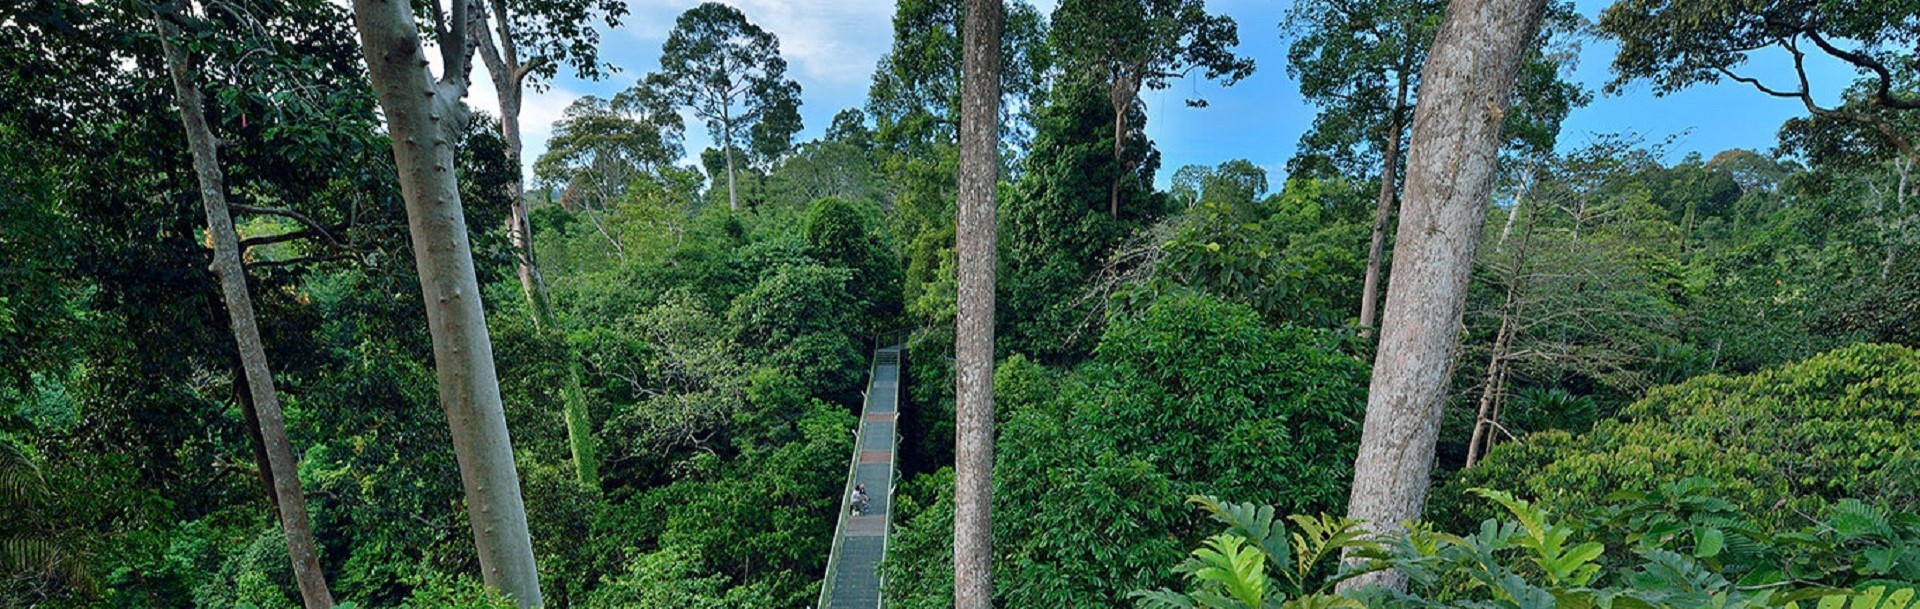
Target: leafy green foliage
(1523,557)
(729,72)
(599,147)
(1295,256)
(1055,231)
(915,96)
(794,321)
(842,234)
(1092,466)
(721,351)
(829,168)
(1797,436)
(1126,46)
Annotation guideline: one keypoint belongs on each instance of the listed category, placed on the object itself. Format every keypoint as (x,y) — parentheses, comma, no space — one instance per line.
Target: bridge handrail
(853,472)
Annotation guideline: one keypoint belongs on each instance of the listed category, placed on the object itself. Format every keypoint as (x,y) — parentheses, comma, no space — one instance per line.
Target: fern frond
(1855,518)
(20,477)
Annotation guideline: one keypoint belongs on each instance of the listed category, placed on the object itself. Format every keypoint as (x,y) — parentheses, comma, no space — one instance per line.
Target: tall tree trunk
(423,118)
(1519,199)
(1452,160)
(509,76)
(1904,169)
(1488,414)
(726,129)
(1496,377)
(973,330)
(289,500)
(1121,94)
(243,392)
(519,231)
(1383,206)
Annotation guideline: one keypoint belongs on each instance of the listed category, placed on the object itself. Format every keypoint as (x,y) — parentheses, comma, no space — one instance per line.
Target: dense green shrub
(1195,393)
(1527,558)
(1056,224)
(845,235)
(1795,436)
(1295,256)
(797,320)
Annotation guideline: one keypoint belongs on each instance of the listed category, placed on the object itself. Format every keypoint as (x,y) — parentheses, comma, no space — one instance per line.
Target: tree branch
(1883,95)
(520,73)
(272,239)
(298,261)
(440,30)
(1762,86)
(312,225)
(490,53)
(1879,124)
(456,47)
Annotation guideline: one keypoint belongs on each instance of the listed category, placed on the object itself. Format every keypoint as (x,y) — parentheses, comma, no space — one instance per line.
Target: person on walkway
(859,499)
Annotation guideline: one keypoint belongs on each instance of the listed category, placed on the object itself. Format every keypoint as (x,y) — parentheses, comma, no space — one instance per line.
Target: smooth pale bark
(1496,377)
(733,193)
(1452,158)
(1383,208)
(423,116)
(509,76)
(1487,416)
(509,73)
(1122,94)
(1532,174)
(283,470)
(973,326)
(1902,168)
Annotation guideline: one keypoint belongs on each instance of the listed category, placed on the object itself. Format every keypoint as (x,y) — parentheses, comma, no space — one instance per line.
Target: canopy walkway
(859,542)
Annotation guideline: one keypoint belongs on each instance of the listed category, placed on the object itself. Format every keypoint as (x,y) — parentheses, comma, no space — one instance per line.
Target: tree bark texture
(973,331)
(1383,207)
(423,116)
(1496,380)
(509,73)
(289,500)
(733,192)
(1122,93)
(1452,160)
(243,392)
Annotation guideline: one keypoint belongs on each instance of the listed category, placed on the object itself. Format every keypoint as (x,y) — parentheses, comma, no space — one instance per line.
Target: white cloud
(538,111)
(831,47)
(830,42)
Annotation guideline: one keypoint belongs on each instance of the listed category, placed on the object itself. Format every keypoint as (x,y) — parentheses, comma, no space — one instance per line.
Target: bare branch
(299,261)
(272,239)
(456,46)
(1762,86)
(520,73)
(1885,128)
(311,225)
(1884,94)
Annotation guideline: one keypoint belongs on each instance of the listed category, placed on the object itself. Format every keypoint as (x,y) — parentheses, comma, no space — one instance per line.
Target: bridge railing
(853,472)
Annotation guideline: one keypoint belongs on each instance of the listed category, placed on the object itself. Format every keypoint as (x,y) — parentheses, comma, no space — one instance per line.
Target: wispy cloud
(832,43)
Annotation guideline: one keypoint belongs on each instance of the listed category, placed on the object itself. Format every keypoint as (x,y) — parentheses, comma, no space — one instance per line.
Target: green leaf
(1707,542)
(1226,561)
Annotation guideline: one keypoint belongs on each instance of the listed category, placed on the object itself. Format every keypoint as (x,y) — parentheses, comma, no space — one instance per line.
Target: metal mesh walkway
(859,542)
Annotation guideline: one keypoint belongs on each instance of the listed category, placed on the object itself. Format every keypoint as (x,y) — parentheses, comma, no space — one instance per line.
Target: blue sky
(832,45)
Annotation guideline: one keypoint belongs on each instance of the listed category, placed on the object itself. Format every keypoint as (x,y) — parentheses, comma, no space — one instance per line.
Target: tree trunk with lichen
(1452,158)
(256,376)
(973,331)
